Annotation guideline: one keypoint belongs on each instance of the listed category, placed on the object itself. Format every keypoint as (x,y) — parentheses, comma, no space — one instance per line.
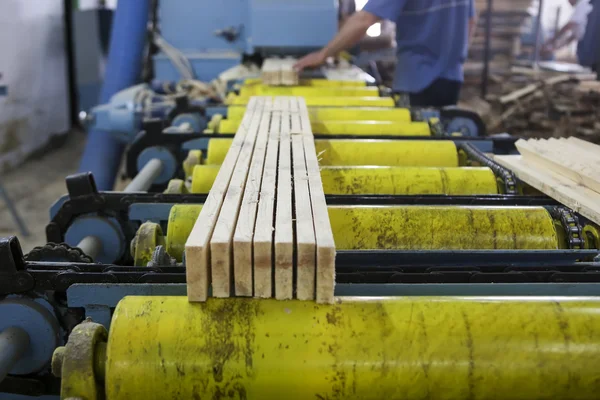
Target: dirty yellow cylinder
(413,153)
(408,153)
(442,228)
(329,101)
(340,114)
(181,221)
(407,348)
(314,82)
(308,91)
(352,127)
(384,180)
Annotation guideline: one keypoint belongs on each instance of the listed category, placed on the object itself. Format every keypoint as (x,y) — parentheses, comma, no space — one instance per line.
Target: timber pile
(279,72)
(264,230)
(555,106)
(508,17)
(567,170)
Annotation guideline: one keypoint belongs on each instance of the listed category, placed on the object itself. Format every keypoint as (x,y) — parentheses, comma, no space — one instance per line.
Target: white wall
(33,66)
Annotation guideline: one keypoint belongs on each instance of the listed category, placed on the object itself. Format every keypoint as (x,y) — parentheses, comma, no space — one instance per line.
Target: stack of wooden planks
(565,169)
(279,72)
(264,229)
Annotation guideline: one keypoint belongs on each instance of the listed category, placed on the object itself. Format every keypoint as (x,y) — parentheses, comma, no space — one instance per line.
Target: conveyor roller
(384,180)
(364,348)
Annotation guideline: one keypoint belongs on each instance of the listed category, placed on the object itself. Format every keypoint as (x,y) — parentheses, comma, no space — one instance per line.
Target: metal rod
(91,246)
(146,177)
(14,342)
(538,34)
(487,49)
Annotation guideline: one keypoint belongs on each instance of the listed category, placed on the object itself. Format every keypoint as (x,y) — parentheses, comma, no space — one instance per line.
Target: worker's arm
(562,38)
(352,31)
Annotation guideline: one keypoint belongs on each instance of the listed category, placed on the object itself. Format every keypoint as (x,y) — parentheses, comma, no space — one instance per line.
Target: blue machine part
(122,115)
(102,155)
(157,213)
(465,126)
(38,320)
(106,229)
(168,159)
(214,36)
(195,121)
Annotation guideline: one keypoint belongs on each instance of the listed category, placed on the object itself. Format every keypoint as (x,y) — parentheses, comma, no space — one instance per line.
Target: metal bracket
(13,276)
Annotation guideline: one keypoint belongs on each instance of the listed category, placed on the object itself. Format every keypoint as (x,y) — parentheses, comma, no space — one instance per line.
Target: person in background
(588,48)
(431,36)
(574,30)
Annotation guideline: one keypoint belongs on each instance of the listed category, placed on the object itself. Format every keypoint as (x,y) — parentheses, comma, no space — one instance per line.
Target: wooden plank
(305,229)
(325,257)
(197,249)
(517,94)
(590,148)
(579,198)
(263,231)
(221,242)
(289,76)
(284,231)
(549,155)
(244,232)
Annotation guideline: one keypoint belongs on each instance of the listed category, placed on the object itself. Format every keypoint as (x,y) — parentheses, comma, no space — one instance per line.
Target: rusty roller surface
(358,348)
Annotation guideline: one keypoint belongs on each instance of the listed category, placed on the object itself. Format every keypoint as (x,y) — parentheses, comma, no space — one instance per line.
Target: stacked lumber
(264,230)
(565,169)
(279,72)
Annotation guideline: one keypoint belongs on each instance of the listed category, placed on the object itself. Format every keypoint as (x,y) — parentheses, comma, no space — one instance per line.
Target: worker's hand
(312,60)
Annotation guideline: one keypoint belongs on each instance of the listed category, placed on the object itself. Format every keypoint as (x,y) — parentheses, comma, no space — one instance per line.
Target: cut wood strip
(278,71)
(517,94)
(197,249)
(221,241)
(244,232)
(580,199)
(325,275)
(284,231)
(304,117)
(289,76)
(263,231)
(305,230)
(582,144)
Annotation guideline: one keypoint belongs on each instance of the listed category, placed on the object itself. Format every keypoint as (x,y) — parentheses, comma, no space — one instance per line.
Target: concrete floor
(35,185)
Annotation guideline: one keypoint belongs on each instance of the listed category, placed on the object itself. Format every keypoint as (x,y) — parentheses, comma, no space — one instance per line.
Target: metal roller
(359,348)
(341,114)
(330,101)
(181,221)
(315,82)
(324,91)
(352,127)
(413,153)
(384,180)
(442,228)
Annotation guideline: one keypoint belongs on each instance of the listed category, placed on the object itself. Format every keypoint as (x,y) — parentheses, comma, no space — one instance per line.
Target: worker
(588,48)
(574,30)
(431,37)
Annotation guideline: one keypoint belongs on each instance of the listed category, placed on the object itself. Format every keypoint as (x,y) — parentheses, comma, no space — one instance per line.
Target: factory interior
(300,199)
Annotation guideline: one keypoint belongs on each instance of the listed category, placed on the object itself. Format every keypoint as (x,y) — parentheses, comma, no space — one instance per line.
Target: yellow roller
(414,153)
(445,348)
(314,82)
(325,91)
(442,227)
(181,221)
(408,180)
(217,150)
(395,128)
(384,180)
(330,101)
(387,153)
(340,114)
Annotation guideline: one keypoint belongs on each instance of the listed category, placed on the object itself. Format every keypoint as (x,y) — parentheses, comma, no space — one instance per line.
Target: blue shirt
(588,48)
(432,38)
